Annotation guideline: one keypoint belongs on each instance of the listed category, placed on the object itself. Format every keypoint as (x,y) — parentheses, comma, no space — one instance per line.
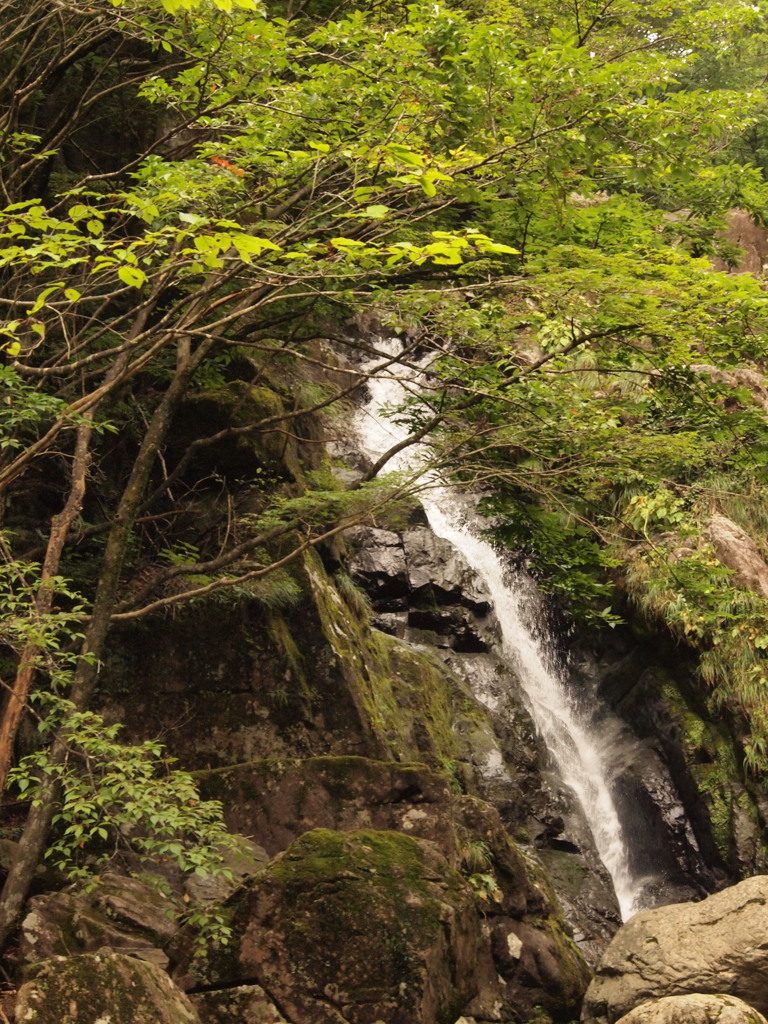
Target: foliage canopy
(535,192)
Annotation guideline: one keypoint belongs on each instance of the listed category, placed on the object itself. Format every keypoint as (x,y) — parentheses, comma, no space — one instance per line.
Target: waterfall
(578,746)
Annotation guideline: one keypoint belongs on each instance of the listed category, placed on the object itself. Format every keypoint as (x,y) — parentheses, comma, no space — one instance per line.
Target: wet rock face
(657,793)
(101,987)
(421,588)
(718,945)
(224,689)
(423,591)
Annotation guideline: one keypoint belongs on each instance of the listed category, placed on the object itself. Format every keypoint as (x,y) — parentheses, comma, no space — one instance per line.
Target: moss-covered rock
(101,987)
(229,685)
(245,455)
(406,697)
(367,925)
(244,1004)
(277,800)
(357,927)
(710,753)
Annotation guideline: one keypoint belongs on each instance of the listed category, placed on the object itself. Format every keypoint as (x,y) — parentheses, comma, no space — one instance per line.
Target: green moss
(711,760)
(571,964)
(269,454)
(104,986)
(403,696)
(364,896)
(281,635)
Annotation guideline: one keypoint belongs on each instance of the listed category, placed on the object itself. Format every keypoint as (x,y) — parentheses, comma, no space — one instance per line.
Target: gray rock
(378,562)
(101,988)
(718,945)
(433,562)
(121,913)
(694,1009)
(736,550)
(214,888)
(245,1004)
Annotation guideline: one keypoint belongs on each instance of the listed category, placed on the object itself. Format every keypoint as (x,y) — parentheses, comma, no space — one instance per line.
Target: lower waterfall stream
(572,739)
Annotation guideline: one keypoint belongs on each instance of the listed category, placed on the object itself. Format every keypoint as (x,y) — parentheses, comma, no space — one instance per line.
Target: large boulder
(718,945)
(736,550)
(357,927)
(101,987)
(367,925)
(119,913)
(694,1009)
(245,1004)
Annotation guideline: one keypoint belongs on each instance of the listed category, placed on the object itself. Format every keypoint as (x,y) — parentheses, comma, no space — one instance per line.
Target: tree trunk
(60,526)
(57,538)
(35,834)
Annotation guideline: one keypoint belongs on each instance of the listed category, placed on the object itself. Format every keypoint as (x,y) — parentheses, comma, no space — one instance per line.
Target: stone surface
(214,888)
(421,587)
(279,801)
(432,562)
(121,913)
(244,1004)
(694,1009)
(275,801)
(736,549)
(101,988)
(357,927)
(718,945)
(379,562)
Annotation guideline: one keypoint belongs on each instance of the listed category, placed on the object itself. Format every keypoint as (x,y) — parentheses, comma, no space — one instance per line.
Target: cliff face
(355,760)
(416,858)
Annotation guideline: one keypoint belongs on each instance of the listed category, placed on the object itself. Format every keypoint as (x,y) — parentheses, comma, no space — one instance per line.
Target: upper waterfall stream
(565,728)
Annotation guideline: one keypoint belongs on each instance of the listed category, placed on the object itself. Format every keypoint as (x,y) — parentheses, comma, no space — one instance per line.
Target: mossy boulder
(280,800)
(355,928)
(101,987)
(541,965)
(277,800)
(244,454)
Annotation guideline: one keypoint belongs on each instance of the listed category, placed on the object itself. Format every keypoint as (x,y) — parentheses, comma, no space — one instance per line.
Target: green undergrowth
(688,589)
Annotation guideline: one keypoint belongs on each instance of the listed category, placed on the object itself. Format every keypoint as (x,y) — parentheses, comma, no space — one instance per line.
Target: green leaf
(43,296)
(78,212)
(132,276)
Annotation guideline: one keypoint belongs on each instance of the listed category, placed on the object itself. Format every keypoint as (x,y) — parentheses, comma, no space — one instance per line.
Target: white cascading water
(573,744)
